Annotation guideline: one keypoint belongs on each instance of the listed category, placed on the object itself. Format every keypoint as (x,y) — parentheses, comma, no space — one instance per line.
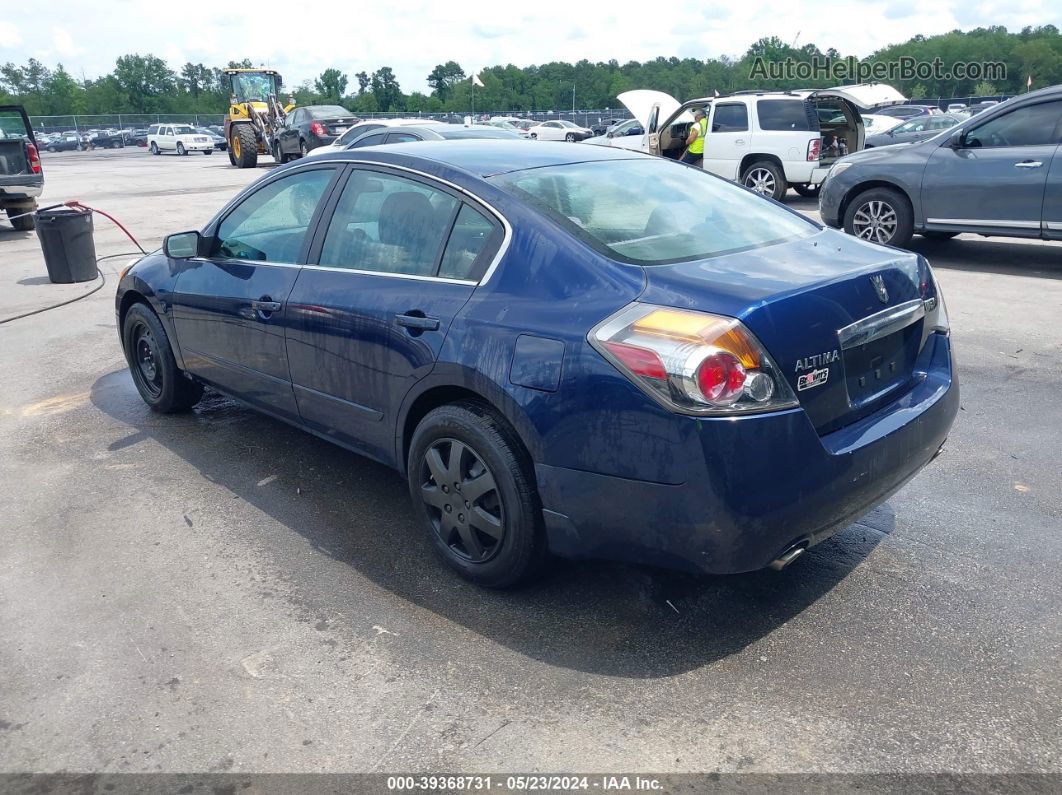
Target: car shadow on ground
(600,617)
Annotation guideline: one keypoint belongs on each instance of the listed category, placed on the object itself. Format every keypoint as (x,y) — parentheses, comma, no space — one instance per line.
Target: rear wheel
(23,223)
(244,146)
(766,178)
(807,189)
(471,487)
(208,151)
(155,373)
(154,148)
(303,148)
(880,215)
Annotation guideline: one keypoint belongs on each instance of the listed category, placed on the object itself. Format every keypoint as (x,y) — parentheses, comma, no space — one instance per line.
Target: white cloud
(9,35)
(414,36)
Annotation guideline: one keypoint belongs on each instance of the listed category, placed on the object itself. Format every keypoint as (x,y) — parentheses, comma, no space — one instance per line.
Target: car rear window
(327,111)
(652,211)
(783,114)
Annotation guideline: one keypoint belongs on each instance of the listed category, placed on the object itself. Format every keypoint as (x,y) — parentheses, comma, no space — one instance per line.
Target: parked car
(179,138)
(438,131)
(956,106)
(874,123)
(358,130)
(313,126)
(559,130)
(917,129)
(21,174)
(508,126)
(973,110)
(904,112)
(65,142)
(626,134)
(767,141)
(106,139)
(217,139)
(553,373)
(997,173)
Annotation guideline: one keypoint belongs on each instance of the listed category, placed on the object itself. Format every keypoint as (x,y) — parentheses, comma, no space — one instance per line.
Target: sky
(412,36)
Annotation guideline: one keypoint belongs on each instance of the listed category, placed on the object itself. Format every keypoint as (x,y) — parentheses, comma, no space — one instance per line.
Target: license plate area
(881,365)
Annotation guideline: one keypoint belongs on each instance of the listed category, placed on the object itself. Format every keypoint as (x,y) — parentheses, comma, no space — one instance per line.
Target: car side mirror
(185,244)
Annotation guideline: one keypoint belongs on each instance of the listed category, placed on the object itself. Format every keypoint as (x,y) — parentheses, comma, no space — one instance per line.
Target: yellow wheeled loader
(256,118)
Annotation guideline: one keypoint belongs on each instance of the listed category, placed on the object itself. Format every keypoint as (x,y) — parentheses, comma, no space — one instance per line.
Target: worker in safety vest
(694,154)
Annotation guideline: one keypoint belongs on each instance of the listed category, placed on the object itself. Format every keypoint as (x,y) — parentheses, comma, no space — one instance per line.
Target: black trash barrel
(66,240)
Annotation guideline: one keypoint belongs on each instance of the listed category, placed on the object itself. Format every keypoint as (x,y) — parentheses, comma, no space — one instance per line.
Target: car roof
(487,157)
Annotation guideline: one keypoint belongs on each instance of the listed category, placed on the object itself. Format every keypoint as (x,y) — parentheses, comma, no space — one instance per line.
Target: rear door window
(783,114)
(368,140)
(473,241)
(730,117)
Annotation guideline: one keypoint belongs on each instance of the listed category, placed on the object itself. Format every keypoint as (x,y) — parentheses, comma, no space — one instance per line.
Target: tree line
(147,84)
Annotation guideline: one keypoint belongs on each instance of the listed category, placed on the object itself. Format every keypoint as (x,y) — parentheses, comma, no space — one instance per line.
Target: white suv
(180,138)
(767,141)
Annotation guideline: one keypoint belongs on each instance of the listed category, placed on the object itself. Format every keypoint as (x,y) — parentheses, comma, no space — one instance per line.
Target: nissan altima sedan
(558,350)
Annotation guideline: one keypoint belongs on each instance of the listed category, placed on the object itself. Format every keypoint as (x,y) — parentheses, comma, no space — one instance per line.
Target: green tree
(444,77)
(331,85)
(63,94)
(385,88)
(146,81)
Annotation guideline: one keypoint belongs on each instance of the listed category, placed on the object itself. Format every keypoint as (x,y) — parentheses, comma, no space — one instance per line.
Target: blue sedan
(578,351)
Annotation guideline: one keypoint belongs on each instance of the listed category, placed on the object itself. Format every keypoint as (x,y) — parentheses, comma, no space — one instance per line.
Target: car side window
(270,225)
(355,131)
(472,242)
(1033,125)
(389,224)
(730,117)
(402,137)
(368,140)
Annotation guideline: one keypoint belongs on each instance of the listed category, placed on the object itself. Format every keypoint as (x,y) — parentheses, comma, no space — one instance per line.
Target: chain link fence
(120,121)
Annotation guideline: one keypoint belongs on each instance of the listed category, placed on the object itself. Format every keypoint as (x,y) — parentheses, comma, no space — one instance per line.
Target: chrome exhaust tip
(788,556)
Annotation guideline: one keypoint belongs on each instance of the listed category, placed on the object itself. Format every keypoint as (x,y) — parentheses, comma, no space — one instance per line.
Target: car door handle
(265,305)
(739,142)
(1028,164)
(418,322)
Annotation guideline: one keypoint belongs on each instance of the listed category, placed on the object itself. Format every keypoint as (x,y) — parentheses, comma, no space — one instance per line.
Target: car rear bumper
(757,485)
(21,190)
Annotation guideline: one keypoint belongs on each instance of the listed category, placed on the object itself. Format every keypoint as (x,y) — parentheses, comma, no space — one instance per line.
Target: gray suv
(997,173)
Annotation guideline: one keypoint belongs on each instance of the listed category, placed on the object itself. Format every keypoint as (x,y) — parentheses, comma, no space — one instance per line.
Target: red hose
(75,204)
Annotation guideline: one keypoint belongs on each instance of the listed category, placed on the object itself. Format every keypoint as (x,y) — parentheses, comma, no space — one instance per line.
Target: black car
(68,141)
(104,139)
(431,132)
(21,175)
(313,126)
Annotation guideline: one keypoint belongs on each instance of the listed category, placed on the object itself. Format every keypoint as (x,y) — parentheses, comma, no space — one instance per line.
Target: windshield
(252,86)
(653,212)
(327,111)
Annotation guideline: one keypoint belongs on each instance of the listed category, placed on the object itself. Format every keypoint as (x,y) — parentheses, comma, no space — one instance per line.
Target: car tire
(303,148)
(208,151)
(766,178)
(154,148)
(807,190)
(570,138)
(533,136)
(934,234)
(279,155)
(24,223)
(156,376)
(180,149)
(496,539)
(880,215)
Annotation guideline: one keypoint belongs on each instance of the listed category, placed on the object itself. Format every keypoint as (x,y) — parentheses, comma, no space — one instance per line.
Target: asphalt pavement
(217,591)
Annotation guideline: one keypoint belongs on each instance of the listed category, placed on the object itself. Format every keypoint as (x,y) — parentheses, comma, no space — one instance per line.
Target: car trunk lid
(338,126)
(840,317)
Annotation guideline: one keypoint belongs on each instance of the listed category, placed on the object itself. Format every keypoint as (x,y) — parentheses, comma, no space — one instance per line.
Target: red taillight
(814,149)
(34,158)
(639,361)
(318,128)
(721,377)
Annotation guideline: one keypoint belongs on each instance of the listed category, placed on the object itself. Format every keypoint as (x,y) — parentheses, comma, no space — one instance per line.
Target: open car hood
(866,96)
(640,103)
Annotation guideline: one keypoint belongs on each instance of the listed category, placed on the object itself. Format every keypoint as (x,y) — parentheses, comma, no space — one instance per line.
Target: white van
(768,141)
(179,138)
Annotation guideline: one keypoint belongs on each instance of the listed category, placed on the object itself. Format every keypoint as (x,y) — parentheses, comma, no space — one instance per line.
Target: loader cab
(253,85)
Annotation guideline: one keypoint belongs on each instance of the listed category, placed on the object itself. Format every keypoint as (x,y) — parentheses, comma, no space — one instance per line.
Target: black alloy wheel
(462,500)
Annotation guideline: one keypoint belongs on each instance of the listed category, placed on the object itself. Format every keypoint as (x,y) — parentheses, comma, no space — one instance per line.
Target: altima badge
(879,284)
(814,378)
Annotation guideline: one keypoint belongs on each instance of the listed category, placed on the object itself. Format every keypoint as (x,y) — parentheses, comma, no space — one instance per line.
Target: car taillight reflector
(692,362)
(318,128)
(34,158)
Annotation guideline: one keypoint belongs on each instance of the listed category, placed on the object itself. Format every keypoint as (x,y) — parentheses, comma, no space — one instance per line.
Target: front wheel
(156,376)
(208,151)
(766,178)
(570,138)
(180,149)
(470,482)
(534,136)
(244,146)
(880,215)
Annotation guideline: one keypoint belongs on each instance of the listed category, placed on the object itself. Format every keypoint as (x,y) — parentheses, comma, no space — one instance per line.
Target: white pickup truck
(767,140)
